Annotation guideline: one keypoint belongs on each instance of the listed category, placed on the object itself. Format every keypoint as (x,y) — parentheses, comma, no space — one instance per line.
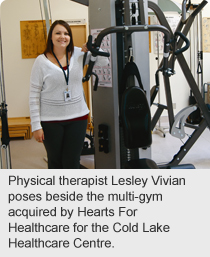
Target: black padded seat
(141,164)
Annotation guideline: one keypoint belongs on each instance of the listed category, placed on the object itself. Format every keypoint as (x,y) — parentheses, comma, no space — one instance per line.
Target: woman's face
(60,37)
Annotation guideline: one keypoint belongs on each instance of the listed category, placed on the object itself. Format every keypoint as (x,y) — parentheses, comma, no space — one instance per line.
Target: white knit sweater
(47,86)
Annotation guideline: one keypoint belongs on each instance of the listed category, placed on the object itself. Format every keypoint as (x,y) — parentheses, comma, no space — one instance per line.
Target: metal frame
(5,157)
(183,26)
(47,18)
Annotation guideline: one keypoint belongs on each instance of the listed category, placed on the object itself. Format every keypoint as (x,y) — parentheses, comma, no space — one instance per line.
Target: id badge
(67,95)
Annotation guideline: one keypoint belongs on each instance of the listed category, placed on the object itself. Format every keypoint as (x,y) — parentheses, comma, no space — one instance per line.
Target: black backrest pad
(130,69)
(136,118)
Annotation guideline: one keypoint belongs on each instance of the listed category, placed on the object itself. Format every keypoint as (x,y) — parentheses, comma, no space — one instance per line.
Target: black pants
(63,143)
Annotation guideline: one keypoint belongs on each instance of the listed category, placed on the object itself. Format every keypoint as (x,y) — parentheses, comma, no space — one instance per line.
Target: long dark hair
(49,46)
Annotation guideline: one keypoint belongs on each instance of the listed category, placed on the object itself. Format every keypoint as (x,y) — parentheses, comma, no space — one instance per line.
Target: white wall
(17,70)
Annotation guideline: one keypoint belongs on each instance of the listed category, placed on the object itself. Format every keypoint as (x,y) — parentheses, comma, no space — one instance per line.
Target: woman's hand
(39,135)
(84,48)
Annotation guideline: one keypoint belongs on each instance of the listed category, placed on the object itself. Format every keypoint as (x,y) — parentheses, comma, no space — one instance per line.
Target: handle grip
(95,51)
(89,71)
(183,49)
(96,81)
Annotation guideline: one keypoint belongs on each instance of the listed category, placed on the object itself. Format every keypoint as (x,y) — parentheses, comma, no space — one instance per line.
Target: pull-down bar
(129,30)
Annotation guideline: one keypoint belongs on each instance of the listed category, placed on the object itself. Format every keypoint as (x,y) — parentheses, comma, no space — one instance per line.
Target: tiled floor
(28,154)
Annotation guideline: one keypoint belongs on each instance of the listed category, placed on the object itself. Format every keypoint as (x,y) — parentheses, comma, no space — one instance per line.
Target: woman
(57,105)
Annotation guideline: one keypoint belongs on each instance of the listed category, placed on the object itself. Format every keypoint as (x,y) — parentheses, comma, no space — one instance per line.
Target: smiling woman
(60,36)
(17,85)
(59,41)
(58,108)
(57,122)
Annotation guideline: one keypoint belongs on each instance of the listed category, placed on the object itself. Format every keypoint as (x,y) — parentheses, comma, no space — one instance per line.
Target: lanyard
(67,61)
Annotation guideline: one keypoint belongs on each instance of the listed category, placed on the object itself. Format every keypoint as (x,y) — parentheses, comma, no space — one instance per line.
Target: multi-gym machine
(105,101)
(127,42)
